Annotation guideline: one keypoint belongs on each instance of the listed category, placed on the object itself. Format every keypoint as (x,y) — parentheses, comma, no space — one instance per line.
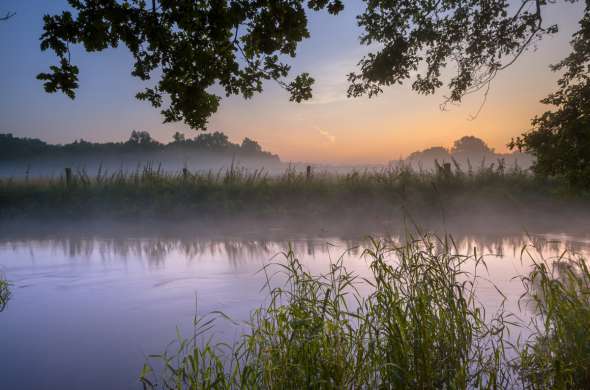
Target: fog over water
(90,301)
(122,223)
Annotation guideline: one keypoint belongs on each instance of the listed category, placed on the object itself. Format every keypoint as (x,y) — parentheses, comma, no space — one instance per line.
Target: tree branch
(7,16)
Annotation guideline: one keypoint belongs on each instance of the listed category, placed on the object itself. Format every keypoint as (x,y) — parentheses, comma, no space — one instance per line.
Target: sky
(328,129)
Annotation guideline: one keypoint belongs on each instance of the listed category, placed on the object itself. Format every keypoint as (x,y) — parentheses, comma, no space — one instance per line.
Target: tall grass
(557,355)
(420,327)
(152,192)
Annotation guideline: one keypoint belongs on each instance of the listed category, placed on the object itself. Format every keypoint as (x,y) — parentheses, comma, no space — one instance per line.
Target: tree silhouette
(251,146)
(470,147)
(237,45)
(560,139)
(194,45)
(178,137)
(7,16)
(418,38)
(139,142)
(141,138)
(431,154)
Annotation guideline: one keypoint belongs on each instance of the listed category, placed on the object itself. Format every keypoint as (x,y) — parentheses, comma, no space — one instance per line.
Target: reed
(557,354)
(152,192)
(420,327)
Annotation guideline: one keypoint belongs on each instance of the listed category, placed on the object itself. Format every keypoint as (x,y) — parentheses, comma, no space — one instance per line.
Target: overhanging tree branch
(7,16)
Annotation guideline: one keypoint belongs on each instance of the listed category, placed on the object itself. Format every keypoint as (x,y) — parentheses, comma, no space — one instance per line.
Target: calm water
(86,310)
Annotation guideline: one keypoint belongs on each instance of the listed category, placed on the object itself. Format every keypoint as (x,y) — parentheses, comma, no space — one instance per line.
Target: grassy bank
(152,193)
(421,326)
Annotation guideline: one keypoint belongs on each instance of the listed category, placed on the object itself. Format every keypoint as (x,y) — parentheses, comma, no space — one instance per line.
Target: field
(150,192)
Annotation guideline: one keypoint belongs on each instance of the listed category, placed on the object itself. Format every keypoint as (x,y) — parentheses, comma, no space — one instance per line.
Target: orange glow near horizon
(353,131)
(334,129)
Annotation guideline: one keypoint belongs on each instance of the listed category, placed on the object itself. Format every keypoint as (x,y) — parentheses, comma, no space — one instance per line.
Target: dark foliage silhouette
(238,44)
(4,292)
(433,153)
(7,16)
(468,152)
(417,39)
(470,147)
(194,44)
(15,148)
(560,139)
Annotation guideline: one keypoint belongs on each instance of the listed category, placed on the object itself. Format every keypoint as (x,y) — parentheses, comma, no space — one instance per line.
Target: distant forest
(214,150)
(140,142)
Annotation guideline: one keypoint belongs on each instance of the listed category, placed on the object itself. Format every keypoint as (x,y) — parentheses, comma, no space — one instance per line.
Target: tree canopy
(195,45)
(417,39)
(467,152)
(560,139)
(238,44)
(469,145)
(139,142)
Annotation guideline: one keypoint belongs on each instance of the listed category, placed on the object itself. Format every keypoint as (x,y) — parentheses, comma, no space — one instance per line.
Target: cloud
(326,96)
(328,136)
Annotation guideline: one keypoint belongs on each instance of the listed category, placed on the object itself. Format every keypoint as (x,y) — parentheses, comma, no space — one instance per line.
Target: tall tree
(470,146)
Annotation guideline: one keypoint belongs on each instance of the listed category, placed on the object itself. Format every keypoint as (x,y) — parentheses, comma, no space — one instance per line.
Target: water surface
(87,308)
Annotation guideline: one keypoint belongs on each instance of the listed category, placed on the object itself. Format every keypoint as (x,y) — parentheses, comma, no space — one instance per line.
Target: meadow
(421,326)
(152,192)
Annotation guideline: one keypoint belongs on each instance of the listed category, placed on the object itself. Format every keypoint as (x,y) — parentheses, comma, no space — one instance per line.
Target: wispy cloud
(326,96)
(327,135)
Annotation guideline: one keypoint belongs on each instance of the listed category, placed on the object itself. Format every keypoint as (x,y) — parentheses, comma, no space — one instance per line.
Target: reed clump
(420,327)
(557,355)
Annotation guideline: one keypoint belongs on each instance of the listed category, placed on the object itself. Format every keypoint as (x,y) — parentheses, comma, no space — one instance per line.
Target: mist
(208,258)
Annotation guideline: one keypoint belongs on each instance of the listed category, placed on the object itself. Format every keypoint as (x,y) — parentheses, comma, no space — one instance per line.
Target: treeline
(140,142)
(468,151)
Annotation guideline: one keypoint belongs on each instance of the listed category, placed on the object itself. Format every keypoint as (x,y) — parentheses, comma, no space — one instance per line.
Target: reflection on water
(156,250)
(86,309)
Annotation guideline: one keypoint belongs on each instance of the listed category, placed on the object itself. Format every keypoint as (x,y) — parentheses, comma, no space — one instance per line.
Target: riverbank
(395,192)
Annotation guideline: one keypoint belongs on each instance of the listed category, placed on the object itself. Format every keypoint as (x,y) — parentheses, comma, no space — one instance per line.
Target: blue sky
(330,128)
